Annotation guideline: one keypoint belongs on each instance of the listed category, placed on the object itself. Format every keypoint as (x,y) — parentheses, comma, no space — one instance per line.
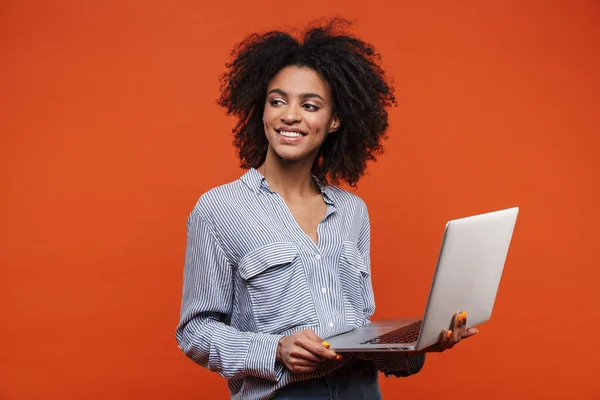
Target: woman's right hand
(303,351)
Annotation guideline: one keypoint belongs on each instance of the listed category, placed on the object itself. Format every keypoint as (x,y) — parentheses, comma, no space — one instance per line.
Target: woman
(279,259)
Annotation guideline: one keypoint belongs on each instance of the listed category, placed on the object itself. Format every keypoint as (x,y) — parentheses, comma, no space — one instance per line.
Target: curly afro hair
(359,91)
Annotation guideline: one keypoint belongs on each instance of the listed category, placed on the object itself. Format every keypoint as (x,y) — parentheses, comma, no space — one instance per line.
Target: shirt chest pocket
(277,286)
(355,280)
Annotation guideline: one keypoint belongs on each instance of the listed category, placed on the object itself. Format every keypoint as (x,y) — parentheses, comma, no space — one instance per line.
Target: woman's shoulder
(220,198)
(345,198)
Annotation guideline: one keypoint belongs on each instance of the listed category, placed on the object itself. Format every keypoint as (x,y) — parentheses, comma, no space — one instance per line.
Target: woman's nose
(291,114)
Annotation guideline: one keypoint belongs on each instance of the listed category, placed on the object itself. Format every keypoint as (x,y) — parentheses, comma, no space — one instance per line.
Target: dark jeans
(356,380)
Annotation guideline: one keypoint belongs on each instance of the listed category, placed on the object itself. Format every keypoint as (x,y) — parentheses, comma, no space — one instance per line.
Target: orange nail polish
(449,334)
(326,344)
(338,357)
(464,315)
(459,317)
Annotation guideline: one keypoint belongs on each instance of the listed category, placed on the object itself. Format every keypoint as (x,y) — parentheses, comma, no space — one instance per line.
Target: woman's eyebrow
(303,95)
(311,95)
(278,91)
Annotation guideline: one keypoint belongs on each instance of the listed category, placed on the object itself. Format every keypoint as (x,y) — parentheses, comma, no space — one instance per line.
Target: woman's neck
(292,180)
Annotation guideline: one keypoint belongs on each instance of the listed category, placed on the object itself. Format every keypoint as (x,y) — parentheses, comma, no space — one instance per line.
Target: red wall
(110,132)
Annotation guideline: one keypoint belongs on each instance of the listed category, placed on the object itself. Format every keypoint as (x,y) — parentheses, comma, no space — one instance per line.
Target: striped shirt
(252,276)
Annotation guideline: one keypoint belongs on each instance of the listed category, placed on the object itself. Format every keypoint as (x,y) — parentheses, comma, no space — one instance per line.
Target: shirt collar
(253,179)
(257,182)
(325,190)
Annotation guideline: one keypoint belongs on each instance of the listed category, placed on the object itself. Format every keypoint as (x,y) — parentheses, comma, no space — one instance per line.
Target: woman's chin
(290,156)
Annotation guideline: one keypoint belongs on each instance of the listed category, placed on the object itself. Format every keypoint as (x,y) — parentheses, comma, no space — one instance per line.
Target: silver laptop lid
(468,271)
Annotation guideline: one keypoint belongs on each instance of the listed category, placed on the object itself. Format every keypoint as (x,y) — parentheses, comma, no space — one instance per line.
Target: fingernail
(449,334)
(460,317)
(338,357)
(325,344)
(465,315)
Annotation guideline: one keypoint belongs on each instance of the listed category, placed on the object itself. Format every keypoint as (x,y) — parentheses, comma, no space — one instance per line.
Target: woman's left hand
(448,339)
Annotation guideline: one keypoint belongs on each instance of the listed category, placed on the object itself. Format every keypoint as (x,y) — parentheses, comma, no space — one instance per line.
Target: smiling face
(298,114)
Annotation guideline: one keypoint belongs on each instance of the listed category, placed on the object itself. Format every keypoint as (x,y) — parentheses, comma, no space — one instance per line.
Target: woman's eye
(311,107)
(276,102)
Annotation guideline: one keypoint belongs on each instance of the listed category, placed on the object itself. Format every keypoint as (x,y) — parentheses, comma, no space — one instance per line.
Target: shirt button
(331,324)
(318,256)
(323,290)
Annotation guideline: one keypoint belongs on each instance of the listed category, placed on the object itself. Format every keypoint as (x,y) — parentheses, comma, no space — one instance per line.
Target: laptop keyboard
(406,334)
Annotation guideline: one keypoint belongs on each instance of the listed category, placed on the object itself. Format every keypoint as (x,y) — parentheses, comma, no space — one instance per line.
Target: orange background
(110,132)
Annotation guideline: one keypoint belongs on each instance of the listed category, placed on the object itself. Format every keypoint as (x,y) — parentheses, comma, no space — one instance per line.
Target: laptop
(466,278)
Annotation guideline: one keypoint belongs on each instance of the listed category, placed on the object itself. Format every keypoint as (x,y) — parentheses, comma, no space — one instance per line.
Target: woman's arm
(203,332)
(397,364)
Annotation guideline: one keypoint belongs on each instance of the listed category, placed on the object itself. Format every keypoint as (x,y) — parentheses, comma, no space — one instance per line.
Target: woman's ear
(335,125)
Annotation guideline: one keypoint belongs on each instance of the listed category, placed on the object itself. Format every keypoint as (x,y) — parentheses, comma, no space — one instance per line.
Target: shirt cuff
(408,365)
(261,357)
(415,362)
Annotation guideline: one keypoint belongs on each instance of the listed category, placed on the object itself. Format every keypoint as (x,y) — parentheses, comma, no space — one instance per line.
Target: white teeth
(290,134)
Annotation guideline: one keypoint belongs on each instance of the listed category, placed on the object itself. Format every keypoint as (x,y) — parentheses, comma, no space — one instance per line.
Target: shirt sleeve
(398,364)
(203,332)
